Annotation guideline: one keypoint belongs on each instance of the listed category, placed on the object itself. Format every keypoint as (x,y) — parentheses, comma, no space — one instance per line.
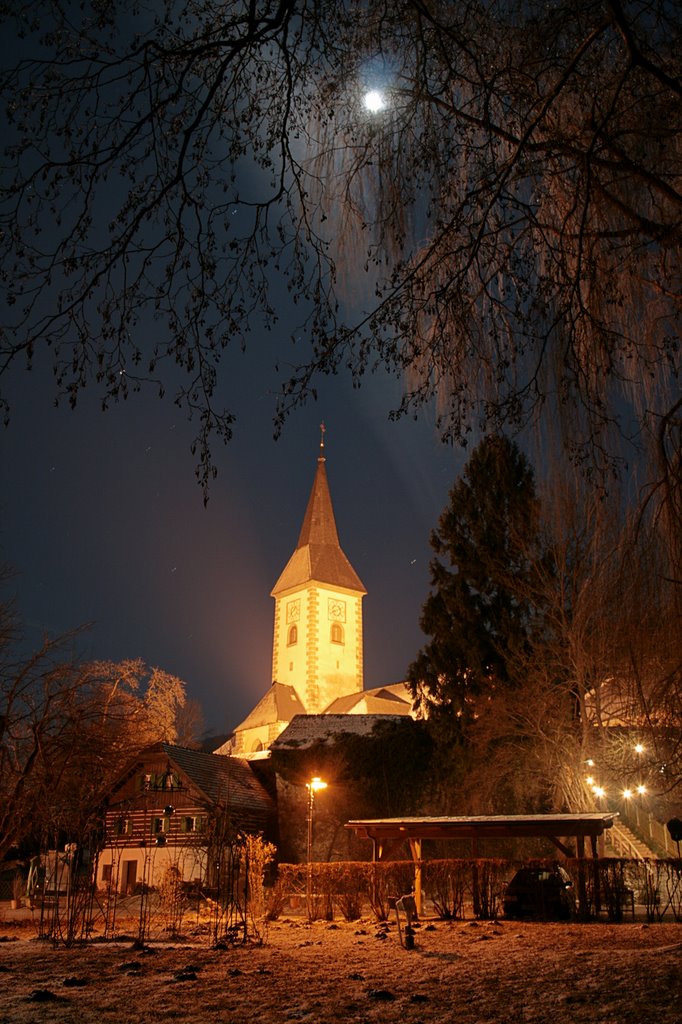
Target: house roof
(318,555)
(217,778)
(221,778)
(279,704)
(304,730)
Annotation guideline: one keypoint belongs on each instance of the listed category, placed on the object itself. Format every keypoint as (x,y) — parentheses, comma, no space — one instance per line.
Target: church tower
(317,644)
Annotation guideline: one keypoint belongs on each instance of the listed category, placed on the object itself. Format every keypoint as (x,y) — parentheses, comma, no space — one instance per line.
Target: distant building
(317,648)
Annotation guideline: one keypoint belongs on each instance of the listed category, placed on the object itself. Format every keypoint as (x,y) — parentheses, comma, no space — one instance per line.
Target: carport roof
(484,826)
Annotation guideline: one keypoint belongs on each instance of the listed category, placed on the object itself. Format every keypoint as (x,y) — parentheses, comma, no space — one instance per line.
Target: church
(170,802)
(317,649)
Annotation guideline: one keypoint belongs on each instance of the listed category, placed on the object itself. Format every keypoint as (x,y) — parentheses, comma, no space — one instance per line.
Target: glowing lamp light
(374,101)
(639,748)
(313,787)
(599,791)
(627,793)
(641,790)
(589,780)
(589,763)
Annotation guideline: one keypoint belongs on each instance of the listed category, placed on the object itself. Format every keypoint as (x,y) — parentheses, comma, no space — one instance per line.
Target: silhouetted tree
(38,726)
(600,682)
(67,727)
(478,611)
(514,208)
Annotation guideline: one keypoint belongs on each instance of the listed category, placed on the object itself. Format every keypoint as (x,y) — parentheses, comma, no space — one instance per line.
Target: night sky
(104,523)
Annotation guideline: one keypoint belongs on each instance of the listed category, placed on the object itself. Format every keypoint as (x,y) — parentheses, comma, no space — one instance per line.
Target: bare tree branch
(508,227)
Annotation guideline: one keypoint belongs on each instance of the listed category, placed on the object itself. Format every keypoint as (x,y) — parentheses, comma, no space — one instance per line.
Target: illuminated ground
(464,972)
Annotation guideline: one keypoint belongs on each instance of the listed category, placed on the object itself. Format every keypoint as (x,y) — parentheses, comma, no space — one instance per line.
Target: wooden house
(176,807)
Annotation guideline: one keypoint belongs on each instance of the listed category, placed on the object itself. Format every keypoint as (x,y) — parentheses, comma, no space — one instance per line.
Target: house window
(160,825)
(292,635)
(160,780)
(337,633)
(193,823)
(106,872)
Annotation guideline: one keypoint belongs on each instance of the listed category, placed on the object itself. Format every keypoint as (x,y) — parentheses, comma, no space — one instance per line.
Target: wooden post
(474,878)
(582,882)
(595,875)
(416,851)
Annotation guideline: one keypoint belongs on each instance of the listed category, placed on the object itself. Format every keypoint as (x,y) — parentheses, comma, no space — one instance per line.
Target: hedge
(607,887)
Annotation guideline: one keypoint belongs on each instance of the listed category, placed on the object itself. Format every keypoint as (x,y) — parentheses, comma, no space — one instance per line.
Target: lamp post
(313,787)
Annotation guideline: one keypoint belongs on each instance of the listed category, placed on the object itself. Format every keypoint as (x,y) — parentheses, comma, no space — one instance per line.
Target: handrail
(643,821)
(623,844)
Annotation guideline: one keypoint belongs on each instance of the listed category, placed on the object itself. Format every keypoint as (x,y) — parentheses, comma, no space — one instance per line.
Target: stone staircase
(620,841)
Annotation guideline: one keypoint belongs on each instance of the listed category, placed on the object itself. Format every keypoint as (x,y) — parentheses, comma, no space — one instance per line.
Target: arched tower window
(337,633)
(292,635)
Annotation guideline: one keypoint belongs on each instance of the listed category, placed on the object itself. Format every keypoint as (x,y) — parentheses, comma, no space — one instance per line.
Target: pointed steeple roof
(318,555)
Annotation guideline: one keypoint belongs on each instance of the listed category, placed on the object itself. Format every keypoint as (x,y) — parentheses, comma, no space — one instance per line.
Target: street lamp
(313,787)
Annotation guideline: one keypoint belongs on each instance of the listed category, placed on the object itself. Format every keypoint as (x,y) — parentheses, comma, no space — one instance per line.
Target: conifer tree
(478,613)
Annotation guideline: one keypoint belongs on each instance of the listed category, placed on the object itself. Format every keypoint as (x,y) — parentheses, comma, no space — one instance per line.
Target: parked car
(541,893)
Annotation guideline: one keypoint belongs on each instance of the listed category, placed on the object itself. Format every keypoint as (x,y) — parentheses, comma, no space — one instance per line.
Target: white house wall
(124,869)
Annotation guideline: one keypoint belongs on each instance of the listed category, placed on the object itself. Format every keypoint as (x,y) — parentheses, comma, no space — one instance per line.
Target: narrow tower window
(337,633)
(292,635)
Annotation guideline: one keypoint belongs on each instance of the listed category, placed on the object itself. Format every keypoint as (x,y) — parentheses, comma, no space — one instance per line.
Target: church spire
(318,555)
(317,640)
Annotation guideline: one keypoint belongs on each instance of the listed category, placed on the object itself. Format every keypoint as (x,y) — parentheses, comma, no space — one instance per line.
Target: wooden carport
(556,827)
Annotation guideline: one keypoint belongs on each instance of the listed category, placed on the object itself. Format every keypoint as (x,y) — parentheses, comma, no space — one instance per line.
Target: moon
(374,101)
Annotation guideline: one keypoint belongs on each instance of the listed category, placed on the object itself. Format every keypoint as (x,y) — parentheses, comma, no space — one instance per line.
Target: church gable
(265,722)
(279,704)
(382,700)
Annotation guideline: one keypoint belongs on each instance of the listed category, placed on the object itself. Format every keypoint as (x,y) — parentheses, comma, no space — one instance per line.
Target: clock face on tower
(293,611)
(337,610)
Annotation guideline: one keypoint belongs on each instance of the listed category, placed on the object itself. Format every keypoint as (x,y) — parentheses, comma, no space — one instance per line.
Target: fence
(67,906)
(608,888)
(235,907)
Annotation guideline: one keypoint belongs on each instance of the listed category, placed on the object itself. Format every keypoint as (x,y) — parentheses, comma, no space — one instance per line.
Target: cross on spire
(323,431)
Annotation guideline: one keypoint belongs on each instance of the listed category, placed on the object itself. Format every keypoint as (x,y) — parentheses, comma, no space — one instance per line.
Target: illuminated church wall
(317,645)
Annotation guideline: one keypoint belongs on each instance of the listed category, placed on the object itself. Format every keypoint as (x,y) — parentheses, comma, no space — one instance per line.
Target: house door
(129,877)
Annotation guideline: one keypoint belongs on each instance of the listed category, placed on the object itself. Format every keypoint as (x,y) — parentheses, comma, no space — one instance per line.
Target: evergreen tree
(478,612)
